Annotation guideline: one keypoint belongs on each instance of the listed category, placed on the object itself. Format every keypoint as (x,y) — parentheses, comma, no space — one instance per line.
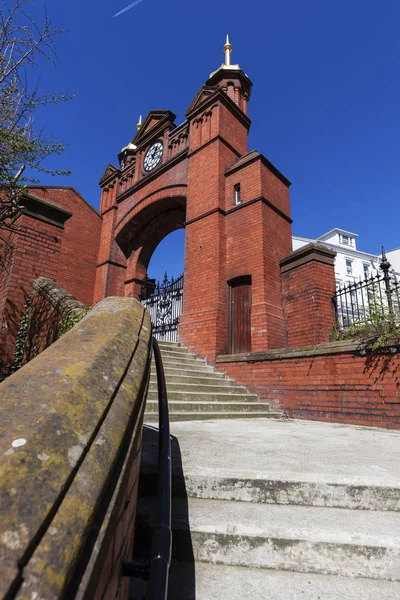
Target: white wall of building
(394,258)
(351,264)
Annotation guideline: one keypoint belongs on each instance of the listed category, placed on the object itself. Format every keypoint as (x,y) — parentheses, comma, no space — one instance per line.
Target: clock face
(153,156)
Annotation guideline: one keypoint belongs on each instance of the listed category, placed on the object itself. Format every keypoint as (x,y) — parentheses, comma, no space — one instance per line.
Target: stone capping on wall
(306,254)
(65,303)
(46,211)
(68,421)
(339,347)
(252,157)
(63,187)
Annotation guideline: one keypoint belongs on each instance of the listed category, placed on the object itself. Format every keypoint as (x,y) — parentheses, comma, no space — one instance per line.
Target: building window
(346,240)
(349,266)
(366,270)
(237,194)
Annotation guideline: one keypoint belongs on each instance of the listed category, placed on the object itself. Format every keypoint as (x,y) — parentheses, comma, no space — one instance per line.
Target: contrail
(127,8)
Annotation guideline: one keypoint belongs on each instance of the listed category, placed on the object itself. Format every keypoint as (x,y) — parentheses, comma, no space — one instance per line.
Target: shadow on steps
(182,582)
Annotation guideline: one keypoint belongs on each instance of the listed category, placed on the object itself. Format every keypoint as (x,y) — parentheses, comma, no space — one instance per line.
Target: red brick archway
(140,235)
(233,204)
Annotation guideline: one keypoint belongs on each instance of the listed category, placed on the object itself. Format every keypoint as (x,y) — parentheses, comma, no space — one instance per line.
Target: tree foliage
(24,45)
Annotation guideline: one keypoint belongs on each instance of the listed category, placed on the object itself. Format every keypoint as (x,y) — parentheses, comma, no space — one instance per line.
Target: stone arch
(141,234)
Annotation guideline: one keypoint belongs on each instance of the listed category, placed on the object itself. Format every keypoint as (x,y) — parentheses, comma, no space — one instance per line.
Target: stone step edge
(312,536)
(216,403)
(178,355)
(168,370)
(210,407)
(226,582)
(333,553)
(206,415)
(214,390)
(190,384)
(188,365)
(247,395)
(282,492)
(298,555)
(198,375)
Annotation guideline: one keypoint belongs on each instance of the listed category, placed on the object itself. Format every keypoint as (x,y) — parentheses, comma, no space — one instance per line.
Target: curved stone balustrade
(71,426)
(65,303)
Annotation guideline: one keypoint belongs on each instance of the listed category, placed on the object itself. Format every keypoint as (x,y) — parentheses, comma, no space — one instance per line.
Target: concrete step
(200,370)
(171,345)
(178,353)
(182,359)
(189,415)
(346,543)
(196,396)
(276,490)
(197,380)
(191,365)
(306,539)
(196,391)
(213,407)
(211,388)
(311,505)
(221,582)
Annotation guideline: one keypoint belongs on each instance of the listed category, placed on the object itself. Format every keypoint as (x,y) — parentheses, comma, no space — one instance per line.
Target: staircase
(282,510)
(197,391)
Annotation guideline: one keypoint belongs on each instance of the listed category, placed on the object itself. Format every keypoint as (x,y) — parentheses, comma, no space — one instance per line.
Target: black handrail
(162,536)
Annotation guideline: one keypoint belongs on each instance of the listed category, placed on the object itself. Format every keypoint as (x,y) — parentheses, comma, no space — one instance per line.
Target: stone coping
(64,418)
(339,347)
(305,254)
(65,303)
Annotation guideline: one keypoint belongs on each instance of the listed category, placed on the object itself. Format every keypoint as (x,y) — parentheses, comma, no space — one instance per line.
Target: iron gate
(164,303)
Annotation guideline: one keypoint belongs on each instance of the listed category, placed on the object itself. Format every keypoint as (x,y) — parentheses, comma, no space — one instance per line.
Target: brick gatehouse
(234,206)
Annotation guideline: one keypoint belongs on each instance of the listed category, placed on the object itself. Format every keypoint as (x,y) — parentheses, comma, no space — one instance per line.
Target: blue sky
(324,108)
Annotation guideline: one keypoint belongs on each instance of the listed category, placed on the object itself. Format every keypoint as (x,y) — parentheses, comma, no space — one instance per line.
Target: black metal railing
(376,298)
(157,572)
(162,536)
(164,303)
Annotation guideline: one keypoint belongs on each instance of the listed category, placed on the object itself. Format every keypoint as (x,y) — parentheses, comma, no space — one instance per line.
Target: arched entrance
(138,239)
(168,257)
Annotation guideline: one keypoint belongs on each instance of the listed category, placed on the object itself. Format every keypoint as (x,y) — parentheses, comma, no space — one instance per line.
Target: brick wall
(36,251)
(64,250)
(331,382)
(308,283)
(76,268)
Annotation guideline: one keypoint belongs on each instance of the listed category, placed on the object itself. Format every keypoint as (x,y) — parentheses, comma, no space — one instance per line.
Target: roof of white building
(343,249)
(336,230)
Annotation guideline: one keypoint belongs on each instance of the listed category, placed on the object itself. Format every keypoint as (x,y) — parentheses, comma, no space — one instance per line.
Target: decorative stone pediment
(155,123)
(110,170)
(202,95)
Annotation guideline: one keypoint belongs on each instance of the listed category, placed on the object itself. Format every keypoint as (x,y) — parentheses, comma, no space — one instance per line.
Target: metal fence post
(385,266)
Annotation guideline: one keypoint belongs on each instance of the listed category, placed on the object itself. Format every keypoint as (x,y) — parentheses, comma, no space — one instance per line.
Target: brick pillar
(111,266)
(218,136)
(308,283)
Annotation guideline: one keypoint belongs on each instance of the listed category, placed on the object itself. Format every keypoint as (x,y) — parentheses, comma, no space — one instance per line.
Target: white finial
(227,50)
(138,126)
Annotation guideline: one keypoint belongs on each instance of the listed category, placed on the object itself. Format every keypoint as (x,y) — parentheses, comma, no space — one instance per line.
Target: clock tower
(233,204)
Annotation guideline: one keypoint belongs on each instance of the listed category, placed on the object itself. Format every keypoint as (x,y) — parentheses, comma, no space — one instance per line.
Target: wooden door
(240,316)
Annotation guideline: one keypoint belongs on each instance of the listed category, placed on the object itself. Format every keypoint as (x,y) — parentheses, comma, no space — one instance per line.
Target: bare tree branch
(23,45)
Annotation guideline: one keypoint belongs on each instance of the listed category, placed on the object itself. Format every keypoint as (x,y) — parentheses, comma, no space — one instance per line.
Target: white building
(351,264)
(393,257)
